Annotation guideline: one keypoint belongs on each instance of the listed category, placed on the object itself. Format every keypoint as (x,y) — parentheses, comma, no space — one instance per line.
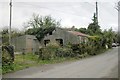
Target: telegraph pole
(97,12)
(10,47)
(10,22)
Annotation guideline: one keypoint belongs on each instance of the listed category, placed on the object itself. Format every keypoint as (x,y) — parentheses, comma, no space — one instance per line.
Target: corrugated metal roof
(78,33)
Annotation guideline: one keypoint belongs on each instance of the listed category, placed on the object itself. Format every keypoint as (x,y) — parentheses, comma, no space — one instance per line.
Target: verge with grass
(29,60)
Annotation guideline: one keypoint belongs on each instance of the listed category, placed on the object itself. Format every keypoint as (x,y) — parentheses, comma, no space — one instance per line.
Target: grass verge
(29,60)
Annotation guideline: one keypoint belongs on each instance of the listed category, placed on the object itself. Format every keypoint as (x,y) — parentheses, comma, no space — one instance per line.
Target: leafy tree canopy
(5,35)
(83,30)
(94,28)
(41,26)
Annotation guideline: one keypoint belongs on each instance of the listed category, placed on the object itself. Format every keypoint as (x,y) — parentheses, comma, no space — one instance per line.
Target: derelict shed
(26,43)
(63,37)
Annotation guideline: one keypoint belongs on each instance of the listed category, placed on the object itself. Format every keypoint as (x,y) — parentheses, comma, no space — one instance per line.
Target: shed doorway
(46,42)
(60,41)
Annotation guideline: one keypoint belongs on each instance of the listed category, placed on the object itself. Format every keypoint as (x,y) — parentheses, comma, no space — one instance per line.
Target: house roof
(25,36)
(78,33)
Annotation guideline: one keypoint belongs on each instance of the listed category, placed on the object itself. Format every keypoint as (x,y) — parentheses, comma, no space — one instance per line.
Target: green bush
(7,60)
(79,49)
(49,52)
(53,50)
(64,52)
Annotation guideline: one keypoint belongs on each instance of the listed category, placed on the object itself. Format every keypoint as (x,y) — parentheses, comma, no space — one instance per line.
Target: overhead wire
(48,8)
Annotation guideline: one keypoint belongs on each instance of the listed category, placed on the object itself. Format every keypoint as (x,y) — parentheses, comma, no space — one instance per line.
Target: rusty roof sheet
(78,33)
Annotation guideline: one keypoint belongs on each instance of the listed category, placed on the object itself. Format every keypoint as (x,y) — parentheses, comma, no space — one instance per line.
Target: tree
(83,30)
(94,28)
(108,37)
(41,26)
(42,21)
(5,35)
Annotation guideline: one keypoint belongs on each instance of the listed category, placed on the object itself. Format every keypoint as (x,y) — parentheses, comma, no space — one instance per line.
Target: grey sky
(77,13)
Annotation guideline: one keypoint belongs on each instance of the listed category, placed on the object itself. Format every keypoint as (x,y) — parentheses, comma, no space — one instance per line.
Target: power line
(52,9)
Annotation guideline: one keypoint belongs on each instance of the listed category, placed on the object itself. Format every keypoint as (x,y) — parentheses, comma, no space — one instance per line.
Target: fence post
(23,53)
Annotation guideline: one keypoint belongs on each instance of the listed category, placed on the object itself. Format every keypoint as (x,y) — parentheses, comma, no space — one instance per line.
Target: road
(101,66)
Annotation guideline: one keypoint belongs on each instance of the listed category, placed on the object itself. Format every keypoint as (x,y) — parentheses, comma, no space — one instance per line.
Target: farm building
(64,37)
(29,43)
(26,43)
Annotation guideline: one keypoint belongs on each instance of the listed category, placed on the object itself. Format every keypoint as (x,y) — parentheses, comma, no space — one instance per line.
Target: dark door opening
(60,41)
(46,42)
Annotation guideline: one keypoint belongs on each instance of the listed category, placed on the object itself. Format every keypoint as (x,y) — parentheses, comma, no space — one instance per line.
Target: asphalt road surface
(101,66)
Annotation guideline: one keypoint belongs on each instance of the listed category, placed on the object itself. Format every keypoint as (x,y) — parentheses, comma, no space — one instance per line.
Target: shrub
(76,49)
(7,61)
(79,49)
(53,50)
(64,52)
(91,50)
(49,52)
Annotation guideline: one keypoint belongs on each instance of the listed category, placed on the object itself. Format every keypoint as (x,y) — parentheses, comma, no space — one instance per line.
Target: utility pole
(10,47)
(10,22)
(97,12)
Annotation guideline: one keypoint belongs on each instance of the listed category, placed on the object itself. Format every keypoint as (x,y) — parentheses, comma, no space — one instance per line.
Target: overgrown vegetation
(41,26)
(40,32)
(5,35)
(52,53)
(29,60)
(107,37)
(7,58)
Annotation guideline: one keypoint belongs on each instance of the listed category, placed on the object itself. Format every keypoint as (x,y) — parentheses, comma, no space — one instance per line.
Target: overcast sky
(72,12)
